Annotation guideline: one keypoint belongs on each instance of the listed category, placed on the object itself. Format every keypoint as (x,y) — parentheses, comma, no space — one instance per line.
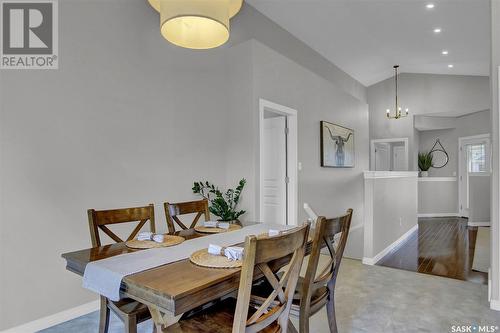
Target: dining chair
(129,311)
(248,313)
(317,288)
(174,210)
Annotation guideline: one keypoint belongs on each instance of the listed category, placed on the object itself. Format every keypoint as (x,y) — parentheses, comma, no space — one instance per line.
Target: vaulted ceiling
(365,38)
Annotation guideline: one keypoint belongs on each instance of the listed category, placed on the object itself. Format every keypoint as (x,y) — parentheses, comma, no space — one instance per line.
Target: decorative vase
(424,173)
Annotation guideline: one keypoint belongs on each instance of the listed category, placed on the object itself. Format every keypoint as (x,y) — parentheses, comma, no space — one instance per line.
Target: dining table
(172,289)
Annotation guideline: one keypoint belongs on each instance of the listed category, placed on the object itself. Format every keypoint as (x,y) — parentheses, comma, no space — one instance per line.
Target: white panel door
(399,158)
(274,169)
(382,157)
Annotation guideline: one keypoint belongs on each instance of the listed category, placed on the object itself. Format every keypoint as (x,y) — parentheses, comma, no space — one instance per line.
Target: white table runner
(105,276)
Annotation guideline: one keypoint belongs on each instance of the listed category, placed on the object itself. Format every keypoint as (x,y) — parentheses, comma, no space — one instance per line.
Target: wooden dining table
(168,290)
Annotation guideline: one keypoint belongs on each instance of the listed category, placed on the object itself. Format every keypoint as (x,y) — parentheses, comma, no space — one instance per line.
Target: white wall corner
(495,304)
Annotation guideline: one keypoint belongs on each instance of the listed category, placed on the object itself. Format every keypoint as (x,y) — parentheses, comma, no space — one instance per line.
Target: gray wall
(423,94)
(329,191)
(437,197)
(129,119)
(469,125)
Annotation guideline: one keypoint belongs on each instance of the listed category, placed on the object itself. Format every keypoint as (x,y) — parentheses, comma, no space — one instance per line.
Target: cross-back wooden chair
(174,210)
(272,313)
(317,288)
(129,311)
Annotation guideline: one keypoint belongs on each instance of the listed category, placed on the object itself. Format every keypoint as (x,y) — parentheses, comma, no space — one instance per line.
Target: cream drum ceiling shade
(196,24)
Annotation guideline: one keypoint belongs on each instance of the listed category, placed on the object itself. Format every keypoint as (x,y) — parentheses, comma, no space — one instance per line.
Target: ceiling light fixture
(398,110)
(430,6)
(196,24)
(450,66)
(437,30)
(444,52)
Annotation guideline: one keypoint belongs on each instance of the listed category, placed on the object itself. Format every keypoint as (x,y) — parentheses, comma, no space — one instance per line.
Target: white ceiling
(365,38)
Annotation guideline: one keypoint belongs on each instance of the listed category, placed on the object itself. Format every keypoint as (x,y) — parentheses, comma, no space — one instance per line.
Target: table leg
(161,319)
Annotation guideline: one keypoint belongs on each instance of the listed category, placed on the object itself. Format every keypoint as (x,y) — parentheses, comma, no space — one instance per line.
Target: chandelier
(196,24)
(398,110)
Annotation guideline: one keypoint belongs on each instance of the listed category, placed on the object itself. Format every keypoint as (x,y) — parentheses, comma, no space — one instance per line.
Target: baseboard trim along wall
(384,252)
(439,215)
(495,305)
(478,224)
(49,321)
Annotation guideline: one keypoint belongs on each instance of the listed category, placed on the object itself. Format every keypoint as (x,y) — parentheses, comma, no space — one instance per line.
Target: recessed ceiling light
(444,52)
(450,66)
(429,6)
(437,30)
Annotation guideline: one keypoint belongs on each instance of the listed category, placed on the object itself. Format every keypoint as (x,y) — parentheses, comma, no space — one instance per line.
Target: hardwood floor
(440,246)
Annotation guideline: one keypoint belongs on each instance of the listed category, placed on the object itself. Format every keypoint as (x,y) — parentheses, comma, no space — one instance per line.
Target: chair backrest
(259,253)
(174,210)
(99,219)
(326,234)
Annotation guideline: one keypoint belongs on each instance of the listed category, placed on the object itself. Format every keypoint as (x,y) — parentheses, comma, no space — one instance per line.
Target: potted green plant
(222,204)
(424,163)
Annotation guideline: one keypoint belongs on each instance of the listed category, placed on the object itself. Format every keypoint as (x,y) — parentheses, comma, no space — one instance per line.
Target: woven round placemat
(168,240)
(205,259)
(207,230)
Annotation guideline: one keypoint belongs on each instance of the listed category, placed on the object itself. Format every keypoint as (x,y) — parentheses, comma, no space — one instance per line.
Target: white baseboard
(439,215)
(478,224)
(55,319)
(384,252)
(495,305)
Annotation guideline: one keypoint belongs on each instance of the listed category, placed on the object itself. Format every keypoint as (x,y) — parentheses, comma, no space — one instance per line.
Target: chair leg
(330,311)
(104,316)
(130,324)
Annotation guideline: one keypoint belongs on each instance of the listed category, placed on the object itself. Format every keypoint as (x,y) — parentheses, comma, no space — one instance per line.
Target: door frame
(461,171)
(372,150)
(292,158)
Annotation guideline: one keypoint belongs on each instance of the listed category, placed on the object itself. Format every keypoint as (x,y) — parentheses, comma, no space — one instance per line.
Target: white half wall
(390,211)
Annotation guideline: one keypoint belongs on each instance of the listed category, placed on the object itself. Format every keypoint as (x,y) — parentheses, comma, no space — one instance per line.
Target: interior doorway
(474,178)
(389,154)
(278,163)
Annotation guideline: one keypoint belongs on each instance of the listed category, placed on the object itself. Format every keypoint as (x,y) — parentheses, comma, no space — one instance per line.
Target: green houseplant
(424,163)
(222,204)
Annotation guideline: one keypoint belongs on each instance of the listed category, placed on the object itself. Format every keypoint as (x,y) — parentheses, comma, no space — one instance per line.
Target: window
(477,158)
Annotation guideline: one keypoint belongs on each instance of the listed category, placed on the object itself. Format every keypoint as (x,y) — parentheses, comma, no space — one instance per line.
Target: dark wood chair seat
(217,318)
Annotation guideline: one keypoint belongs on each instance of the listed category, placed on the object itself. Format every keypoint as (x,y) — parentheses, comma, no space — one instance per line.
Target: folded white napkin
(273,232)
(210,224)
(147,235)
(215,249)
(159,238)
(216,224)
(223,225)
(232,252)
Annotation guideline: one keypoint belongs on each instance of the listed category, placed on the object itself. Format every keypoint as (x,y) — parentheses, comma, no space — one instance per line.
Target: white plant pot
(424,173)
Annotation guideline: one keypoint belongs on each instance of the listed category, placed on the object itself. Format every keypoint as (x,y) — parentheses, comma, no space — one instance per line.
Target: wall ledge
(437,179)
(390,174)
